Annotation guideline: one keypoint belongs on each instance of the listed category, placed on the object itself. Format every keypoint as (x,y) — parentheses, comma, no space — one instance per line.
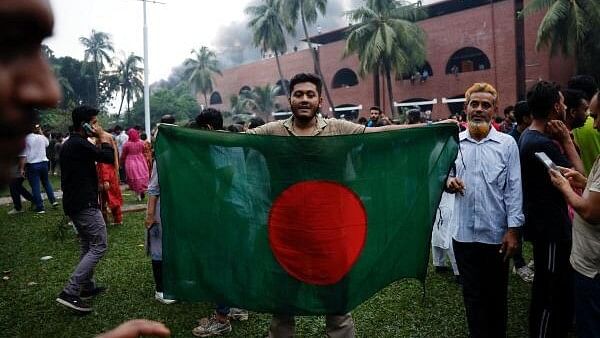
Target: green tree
(308,11)
(566,25)
(386,39)
(97,48)
(200,71)
(130,80)
(164,101)
(261,100)
(268,27)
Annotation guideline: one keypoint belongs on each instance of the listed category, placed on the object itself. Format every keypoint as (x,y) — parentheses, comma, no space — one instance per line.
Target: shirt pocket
(495,175)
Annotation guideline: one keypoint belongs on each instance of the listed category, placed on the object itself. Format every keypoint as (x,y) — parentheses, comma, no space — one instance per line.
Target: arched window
(215,98)
(424,72)
(344,78)
(245,89)
(282,88)
(469,59)
(456,108)
(348,112)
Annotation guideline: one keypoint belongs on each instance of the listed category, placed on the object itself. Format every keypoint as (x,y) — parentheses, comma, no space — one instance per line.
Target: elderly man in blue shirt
(488,211)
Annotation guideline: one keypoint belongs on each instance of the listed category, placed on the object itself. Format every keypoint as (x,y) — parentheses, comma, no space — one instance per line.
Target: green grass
(399,310)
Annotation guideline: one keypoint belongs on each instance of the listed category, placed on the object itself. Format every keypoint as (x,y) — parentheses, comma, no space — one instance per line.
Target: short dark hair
(375,108)
(210,117)
(573,98)
(585,83)
(235,128)
(521,110)
(117,128)
(83,114)
(167,118)
(508,109)
(542,97)
(306,77)
(143,136)
(255,122)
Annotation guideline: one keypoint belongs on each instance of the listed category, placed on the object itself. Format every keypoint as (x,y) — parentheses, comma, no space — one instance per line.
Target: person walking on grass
(79,181)
(37,168)
(136,169)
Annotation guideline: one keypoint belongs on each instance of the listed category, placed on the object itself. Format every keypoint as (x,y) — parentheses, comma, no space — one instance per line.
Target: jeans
(340,326)
(37,172)
(587,305)
(93,243)
(17,190)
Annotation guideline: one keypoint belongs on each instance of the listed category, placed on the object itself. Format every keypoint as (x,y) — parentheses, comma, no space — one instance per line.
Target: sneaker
(211,327)
(73,302)
(87,294)
(15,211)
(55,204)
(531,265)
(39,212)
(238,314)
(159,296)
(525,273)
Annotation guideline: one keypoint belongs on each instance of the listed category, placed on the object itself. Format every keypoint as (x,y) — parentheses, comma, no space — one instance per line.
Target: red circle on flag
(317,230)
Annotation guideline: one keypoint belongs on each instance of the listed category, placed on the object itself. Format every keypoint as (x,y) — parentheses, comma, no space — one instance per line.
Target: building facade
(467,41)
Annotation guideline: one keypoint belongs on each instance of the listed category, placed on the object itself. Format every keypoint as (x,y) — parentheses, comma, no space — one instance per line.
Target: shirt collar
(493,135)
(321,124)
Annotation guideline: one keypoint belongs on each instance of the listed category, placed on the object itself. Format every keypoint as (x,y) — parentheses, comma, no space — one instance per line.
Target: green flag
(298,225)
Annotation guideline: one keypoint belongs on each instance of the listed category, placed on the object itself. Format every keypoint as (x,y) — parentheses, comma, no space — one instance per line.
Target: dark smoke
(234,41)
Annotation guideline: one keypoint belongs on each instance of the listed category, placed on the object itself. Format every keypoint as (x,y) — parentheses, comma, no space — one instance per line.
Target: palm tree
(200,70)
(261,100)
(386,39)
(130,80)
(65,85)
(566,25)
(97,48)
(308,11)
(268,26)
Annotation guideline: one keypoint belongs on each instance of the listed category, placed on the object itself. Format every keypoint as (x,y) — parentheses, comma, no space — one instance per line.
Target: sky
(174,29)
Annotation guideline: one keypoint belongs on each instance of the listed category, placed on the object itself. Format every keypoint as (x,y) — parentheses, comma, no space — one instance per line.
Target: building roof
(433,10)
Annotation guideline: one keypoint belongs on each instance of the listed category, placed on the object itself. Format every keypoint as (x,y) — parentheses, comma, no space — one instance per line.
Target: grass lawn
(28,309)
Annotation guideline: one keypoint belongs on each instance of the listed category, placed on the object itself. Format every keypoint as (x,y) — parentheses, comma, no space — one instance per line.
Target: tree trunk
(376,88)
(205,100)
(388,79)
(281,78)
(121,105)
(316,60)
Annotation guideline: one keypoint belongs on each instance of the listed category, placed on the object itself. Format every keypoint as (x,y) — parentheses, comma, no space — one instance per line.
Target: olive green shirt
(323,127)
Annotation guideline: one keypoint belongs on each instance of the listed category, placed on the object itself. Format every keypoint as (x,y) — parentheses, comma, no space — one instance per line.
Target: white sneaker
(531,265)
(238,314)
(40,212)
(15,211)
(159,296)
(525,273)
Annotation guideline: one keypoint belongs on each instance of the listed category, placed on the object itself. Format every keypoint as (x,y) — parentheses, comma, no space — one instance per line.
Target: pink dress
(136,168)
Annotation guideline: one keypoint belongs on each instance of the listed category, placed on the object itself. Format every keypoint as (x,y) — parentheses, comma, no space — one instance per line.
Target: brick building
(467,41)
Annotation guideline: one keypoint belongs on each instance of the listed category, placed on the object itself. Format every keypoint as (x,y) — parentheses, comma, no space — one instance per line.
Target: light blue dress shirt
(493,199)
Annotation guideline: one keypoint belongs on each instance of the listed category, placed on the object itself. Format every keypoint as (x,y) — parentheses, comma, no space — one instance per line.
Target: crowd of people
(533,174)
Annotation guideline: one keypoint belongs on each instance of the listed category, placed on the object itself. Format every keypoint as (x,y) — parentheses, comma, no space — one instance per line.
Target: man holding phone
(80,202)
(548,225)
(488,213)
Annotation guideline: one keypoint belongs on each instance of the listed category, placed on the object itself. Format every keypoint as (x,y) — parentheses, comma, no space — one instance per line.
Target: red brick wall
(491,28)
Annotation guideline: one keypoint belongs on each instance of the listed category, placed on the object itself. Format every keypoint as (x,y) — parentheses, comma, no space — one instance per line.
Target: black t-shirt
(79,178)
(546,212)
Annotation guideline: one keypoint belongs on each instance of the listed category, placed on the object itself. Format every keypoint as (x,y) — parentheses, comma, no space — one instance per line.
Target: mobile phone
(88,129)
(546,161)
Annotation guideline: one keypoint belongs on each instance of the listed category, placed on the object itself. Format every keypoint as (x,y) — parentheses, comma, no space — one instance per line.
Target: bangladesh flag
(298,225)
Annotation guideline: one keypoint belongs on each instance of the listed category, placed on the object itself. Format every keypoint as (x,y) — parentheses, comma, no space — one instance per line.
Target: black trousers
(485,279)
(552,307)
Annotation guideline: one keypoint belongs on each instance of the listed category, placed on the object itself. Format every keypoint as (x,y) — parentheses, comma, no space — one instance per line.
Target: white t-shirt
(585,254)
(35,148)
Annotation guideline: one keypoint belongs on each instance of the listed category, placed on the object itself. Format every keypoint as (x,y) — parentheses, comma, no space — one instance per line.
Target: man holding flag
(283,220)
